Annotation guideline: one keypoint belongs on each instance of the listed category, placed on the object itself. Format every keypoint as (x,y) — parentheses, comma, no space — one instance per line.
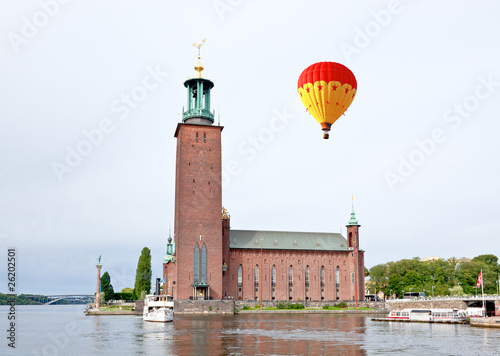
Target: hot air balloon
(326,90)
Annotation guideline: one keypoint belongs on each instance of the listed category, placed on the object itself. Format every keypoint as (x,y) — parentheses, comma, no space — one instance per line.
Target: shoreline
(312,311)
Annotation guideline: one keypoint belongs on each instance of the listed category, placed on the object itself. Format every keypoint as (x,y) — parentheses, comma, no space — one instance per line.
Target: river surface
(64,330)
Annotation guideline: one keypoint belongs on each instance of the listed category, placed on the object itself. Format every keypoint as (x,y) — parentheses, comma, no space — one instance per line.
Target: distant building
(426,259)
(212,261)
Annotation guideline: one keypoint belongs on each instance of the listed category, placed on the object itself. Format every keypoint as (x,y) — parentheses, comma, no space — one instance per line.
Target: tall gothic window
(322,276)
(204,264)
(256,276)
(196,273)
(307,276)
(337,276)
(240,276)
(290,276)
(273,276)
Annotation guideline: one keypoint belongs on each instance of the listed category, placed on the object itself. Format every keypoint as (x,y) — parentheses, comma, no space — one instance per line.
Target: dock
(112,312)
(491,322)
(423,321)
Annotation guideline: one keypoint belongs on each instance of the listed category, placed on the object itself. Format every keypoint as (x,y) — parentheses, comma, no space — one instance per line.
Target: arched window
(322,276)
(273,276)
(204,137)
(337,276)
(256,276)
(204,264)
(306,276)
(196,273)
(240,276)
(290,276)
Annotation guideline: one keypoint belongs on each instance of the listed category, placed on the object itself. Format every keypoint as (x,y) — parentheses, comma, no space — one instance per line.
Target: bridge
(51,299)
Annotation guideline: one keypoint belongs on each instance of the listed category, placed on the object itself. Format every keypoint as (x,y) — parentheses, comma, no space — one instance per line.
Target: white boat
(429,315)
(159,308)
(474,312)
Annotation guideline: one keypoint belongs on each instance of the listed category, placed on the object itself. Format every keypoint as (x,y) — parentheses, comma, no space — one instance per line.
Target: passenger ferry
(429,315)
(159,308)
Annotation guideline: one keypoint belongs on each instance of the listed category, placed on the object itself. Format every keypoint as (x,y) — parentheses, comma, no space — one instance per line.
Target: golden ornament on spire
(225,214)
(199,67)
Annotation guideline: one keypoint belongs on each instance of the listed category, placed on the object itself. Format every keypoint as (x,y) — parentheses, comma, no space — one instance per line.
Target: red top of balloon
(327,72)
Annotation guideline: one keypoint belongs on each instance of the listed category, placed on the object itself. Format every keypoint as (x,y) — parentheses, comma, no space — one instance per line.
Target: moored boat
(429,315)
(158,308)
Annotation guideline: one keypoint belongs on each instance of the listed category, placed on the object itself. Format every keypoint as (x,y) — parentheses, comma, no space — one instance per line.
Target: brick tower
(357,291)
(198,196)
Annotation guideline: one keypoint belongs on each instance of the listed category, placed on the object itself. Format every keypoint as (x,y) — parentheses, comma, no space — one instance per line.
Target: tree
(127,290)
(143,274)
(106,287)
(378,275)
(489,259)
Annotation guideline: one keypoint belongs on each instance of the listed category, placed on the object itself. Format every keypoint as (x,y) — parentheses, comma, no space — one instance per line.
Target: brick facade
(332,288)
(198,202)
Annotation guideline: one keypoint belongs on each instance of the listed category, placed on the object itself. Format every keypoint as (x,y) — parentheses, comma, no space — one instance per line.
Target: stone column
(98,292)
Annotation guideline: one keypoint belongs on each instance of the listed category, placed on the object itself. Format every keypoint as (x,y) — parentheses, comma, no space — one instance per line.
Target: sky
(91,93)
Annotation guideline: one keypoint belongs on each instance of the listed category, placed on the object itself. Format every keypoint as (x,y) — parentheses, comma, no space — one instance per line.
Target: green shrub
(282,305)
(325,306)
(341,305)
(246,307)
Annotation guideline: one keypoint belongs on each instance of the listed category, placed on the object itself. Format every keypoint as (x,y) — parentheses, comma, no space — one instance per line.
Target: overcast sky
(91,93)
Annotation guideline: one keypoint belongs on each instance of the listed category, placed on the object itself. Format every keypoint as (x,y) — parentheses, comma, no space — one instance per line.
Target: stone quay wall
(204,307)
(426,304)
(316,304)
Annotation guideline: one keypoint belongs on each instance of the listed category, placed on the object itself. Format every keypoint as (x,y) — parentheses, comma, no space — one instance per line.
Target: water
(64,330)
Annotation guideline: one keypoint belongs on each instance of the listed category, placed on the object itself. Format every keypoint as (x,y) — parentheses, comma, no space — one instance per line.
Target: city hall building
(212,261)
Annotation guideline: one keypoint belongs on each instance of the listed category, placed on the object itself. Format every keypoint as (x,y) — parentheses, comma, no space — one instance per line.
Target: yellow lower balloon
(326,102)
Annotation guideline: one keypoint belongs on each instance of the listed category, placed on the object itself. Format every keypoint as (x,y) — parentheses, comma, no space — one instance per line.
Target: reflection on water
(277,334)
(64,330)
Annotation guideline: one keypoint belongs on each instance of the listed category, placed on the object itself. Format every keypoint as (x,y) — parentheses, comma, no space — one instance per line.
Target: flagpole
(482,292)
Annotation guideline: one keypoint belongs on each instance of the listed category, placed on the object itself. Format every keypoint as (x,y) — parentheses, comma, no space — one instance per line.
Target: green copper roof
(353,220)
(287,240)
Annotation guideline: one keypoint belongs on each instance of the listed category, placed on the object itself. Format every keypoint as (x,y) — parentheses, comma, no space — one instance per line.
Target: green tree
(378,275)
(488,259)
(106,287)
(143,274)
(127,290)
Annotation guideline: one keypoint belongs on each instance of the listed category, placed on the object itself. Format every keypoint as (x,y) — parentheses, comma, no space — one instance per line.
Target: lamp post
(261,271)
(433,291)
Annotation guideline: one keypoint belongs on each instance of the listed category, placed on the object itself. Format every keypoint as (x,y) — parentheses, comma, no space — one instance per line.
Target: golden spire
(199,67)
